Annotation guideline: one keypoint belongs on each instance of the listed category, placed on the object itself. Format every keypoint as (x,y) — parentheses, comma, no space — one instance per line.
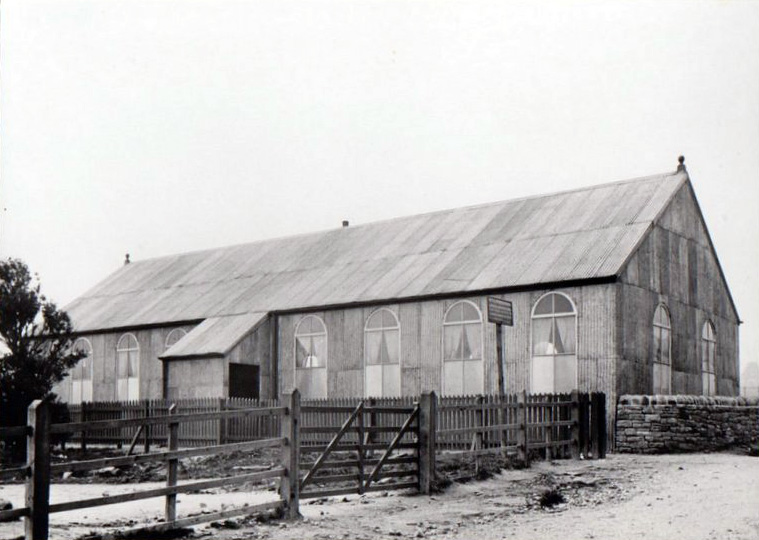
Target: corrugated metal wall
(422,340)
(675,265)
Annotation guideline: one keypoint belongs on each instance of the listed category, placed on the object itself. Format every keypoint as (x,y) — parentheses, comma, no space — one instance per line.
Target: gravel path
(697,496)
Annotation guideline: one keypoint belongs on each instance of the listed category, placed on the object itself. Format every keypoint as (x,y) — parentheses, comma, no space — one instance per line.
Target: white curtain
(452,342)
(472,333)
(373,343)
(318,351)
(392,346)
(564,335)
(541,337)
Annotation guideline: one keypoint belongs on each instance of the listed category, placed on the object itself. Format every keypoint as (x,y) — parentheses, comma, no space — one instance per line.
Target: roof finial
(681,161)
(126,259)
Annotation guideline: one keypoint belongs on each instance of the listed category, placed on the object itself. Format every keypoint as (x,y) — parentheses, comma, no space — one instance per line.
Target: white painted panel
(87,390)
(374,380)
(542,375)
(76,392)
(565,373)
(312,382)
(391,380)
(452,382)
(134,388)
(473,377)
(122,390)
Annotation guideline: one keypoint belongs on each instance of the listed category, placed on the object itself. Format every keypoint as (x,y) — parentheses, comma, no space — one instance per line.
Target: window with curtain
(662,351)
(174,336)
(81,374)
(127,368)
(382,354)
(554,344)
(311,357)
(462,350)
(708,353)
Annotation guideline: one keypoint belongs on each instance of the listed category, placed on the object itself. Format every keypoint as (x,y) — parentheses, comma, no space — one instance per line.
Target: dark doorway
(243,381)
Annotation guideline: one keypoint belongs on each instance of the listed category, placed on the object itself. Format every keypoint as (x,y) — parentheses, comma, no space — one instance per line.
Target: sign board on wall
(500,311)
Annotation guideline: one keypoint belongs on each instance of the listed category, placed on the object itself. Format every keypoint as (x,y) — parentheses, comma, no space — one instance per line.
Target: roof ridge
(410,216)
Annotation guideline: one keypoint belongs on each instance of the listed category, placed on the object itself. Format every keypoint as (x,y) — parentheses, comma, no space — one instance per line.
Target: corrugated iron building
(615,288)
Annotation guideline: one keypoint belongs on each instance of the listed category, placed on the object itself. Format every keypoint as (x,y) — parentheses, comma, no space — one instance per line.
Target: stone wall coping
(709,401)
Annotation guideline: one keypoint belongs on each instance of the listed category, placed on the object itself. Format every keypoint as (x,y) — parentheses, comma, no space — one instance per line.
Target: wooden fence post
(83,434)
(289,487)
(501,419)
(147,426)
(38,460)
(360,451)
(575,424)
(477,438)
(173,468)
(122,414)
(583,431)
(524,453)
(371,436)
(548,418)
(427,430)
(221,437)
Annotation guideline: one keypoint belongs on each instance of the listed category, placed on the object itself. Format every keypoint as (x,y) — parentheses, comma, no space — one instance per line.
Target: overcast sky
(161,127)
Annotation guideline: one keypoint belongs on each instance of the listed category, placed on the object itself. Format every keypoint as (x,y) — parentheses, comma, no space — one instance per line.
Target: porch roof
(215,336)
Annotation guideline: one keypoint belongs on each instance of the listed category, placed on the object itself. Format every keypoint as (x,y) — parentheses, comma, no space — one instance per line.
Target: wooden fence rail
(38,469)
(380,438)
(486,423)
(353,455)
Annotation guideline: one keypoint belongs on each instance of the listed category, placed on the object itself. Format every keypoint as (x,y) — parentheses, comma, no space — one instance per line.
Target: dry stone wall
(664,424)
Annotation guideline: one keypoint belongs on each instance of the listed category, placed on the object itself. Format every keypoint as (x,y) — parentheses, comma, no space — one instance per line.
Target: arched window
(554,344)
(81,374)
(708,353)
(174,336)
(462,350)
(662,351)
(311,357)
(382,354)
(127,368)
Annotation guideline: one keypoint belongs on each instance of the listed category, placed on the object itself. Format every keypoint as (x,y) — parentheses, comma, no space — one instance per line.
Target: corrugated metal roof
(581,234)
(215,336)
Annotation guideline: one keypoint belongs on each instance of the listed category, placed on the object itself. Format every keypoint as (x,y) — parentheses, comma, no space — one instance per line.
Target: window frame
(120,349)
(709,343)
(654,326)
(445,324)
(380,330)
(77,370)
(311,334)
(575,313)
(174,331)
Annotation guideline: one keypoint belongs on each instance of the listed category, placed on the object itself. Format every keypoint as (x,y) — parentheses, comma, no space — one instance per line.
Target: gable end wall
(677,266)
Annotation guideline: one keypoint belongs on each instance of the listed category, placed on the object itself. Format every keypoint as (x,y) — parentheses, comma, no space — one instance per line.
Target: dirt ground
(696,496)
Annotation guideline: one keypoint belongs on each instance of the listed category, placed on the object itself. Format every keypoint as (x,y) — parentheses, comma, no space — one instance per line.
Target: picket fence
(336,436)
(200,433)
(464,423)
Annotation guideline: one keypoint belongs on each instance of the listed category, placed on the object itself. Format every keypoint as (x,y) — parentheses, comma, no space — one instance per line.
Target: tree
(38,338)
